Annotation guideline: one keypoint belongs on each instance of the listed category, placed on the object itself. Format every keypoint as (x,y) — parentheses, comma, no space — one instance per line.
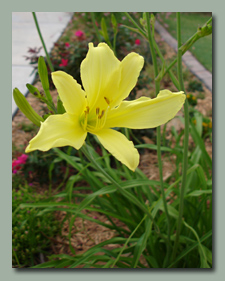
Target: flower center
(94,121)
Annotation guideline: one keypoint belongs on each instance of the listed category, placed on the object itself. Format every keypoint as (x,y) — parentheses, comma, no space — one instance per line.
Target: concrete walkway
(190,61)
(25,36)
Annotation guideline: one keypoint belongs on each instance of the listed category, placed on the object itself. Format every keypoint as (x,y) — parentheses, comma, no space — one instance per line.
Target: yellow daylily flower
(100,107)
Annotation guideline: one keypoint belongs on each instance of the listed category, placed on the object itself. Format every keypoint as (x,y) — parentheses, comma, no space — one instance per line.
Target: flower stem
(157,88)
(43,43)
(186,138)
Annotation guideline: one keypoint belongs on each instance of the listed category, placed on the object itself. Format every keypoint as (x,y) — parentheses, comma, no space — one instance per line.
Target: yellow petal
(70,92)
(120,147)
(130,66)
(146,113)
(97,70)
(57,131)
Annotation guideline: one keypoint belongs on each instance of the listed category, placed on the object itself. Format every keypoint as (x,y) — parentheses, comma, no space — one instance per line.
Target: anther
(100,116)
(107,100)
(97,110)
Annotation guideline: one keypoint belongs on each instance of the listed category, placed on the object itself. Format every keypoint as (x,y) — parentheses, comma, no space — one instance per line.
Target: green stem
(157,88)
(43,43)
(186,139)
(173,78)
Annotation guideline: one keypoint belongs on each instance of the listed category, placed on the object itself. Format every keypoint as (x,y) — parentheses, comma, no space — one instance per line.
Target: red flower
(63,62)
(79,33)
(67,44)
(16,163)
(137,42)
(23,158)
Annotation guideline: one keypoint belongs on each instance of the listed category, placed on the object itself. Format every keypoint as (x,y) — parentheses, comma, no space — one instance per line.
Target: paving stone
(191,62)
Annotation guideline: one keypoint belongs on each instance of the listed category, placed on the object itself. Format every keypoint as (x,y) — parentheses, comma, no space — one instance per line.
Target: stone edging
(190,61)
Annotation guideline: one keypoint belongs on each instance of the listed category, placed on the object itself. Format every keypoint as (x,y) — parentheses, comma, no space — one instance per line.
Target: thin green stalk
(186,139)
(43,43)
(157,88)
(95,27)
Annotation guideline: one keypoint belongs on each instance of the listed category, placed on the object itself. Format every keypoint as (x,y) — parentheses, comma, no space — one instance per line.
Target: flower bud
(114,23)
(33,90)
(25,107)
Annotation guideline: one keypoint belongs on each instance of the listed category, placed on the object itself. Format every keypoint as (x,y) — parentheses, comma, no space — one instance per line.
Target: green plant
(27,127)
(192,99)
(30,232)
(195,86)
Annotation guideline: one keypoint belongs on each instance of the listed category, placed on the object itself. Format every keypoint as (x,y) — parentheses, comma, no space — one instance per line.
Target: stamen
(100,116)
(86,112)
(97,110)
(105,117)
(107,100)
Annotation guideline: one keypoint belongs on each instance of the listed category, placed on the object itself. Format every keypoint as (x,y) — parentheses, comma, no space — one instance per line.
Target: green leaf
(171,210)
(141,244)
(199,141)
(192,247)
(60,107)
(197,193)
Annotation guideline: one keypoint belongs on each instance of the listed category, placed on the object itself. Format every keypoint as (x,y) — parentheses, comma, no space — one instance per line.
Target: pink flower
(79,33)
(23,158)
(16,163)
(67,44)
(137,42)
(63,62)
(16,166)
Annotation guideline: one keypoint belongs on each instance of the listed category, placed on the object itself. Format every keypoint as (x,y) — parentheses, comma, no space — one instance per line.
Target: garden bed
(86,234)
